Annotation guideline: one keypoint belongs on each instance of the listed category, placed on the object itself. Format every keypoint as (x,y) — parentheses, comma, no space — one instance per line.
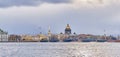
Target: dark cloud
(9,3)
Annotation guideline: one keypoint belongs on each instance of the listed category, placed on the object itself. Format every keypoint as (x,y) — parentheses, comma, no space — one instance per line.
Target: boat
(101,40)
(67,40)
(53,40)
(44,40)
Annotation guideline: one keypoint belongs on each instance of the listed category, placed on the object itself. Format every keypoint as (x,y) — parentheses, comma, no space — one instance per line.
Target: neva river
(70,49)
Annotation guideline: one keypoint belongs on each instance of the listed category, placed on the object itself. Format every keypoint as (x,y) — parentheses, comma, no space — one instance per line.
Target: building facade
(3,36)
(14,38)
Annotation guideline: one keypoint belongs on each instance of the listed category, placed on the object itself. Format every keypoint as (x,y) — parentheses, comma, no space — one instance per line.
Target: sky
(84,16)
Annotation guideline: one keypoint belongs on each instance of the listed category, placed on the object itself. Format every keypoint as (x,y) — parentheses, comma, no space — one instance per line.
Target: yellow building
(42,36)
(27,38)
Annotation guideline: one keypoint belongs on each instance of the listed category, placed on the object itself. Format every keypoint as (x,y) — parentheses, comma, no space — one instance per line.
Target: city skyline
(84,16)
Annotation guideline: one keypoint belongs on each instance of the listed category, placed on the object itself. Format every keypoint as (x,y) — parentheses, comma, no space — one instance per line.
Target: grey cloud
(9,3)
(56,1)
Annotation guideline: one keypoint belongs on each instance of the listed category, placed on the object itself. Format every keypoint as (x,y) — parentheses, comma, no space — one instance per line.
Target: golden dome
(68,29)
(68,26)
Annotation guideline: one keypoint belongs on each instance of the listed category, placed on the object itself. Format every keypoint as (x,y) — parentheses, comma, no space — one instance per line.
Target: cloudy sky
(84,16)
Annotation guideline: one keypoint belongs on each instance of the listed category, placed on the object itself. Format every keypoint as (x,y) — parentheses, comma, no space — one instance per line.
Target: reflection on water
(72,49)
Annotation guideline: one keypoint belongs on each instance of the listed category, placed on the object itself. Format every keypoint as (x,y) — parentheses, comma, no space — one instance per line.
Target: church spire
(49,32)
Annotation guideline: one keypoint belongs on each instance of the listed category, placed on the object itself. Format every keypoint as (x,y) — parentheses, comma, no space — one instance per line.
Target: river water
(68,49)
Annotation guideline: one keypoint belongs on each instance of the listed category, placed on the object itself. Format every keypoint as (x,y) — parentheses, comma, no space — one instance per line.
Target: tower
(49,32)
(68,29)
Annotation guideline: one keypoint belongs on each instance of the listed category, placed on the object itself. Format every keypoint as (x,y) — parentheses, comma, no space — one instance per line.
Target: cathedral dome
(68,29)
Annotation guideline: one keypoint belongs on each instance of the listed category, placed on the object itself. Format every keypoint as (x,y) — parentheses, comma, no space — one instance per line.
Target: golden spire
(49,32)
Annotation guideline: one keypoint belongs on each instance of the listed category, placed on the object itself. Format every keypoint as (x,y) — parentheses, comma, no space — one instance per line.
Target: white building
(3,36)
